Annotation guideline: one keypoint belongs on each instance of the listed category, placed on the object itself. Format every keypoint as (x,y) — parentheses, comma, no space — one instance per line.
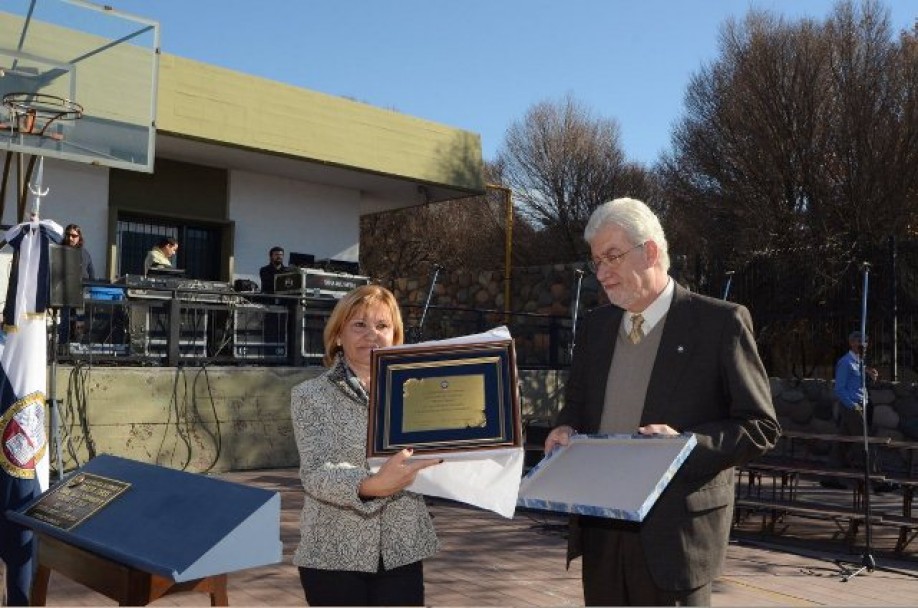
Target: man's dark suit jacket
(267,273)
(707,379)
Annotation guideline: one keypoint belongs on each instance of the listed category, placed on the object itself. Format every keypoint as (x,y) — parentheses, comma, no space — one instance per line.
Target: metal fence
(804,303)
(803,307)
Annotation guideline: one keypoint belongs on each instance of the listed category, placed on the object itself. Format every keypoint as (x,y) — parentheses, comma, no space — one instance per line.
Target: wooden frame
(444,398)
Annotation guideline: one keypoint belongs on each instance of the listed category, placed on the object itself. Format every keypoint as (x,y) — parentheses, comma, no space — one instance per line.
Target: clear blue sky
(477,65)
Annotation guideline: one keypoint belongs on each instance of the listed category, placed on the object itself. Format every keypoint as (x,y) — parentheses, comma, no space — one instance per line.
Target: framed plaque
(437,398)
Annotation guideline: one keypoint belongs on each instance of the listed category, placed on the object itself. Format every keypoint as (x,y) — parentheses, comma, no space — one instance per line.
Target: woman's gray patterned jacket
(339,530)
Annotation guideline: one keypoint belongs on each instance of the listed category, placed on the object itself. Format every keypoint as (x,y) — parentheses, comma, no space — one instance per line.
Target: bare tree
(468,233)
(561,163)
(797,158)
(801,133)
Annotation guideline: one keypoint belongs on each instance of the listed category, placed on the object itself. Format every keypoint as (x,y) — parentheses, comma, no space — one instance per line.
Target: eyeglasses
(614,261)
(73,235)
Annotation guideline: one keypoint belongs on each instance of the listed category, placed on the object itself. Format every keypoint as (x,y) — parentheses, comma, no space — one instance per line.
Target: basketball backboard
(78,82)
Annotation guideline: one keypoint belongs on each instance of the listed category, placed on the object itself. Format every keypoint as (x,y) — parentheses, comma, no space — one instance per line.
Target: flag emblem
(22,431)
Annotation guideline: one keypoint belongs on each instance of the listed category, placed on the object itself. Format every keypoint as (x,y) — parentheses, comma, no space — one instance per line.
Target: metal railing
(177,327)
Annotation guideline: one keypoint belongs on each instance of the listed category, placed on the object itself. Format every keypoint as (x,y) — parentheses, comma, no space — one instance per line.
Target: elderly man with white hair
(661,360)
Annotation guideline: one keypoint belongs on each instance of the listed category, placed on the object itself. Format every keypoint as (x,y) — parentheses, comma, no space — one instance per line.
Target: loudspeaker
(66,270)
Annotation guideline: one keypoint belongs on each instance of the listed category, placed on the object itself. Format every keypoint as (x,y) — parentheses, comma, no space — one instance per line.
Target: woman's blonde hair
(349,305)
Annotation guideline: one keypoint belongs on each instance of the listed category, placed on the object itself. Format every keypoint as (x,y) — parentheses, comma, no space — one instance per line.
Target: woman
(73,237)
(362,536)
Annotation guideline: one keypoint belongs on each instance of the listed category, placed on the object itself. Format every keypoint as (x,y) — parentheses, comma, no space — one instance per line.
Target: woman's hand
(396,474)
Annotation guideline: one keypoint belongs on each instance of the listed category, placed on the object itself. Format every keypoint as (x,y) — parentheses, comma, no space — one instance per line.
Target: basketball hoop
(33,113)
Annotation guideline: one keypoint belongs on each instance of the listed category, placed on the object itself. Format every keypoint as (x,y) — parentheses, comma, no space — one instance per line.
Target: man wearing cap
(849,389)
(849,384)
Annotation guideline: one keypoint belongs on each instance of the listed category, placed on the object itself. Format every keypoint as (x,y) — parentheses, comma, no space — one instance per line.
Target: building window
(199,245)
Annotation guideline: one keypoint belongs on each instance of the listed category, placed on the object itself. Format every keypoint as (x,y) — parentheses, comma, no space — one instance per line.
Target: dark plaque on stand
(135,532)
(76,500)
(444,398)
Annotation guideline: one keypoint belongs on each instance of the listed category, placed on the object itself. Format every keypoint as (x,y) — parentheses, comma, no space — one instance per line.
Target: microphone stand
(579,272)
(418,333)
(729,274)
(867,563)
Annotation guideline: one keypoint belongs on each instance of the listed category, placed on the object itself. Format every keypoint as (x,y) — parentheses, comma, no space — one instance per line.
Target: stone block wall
(548,290)
(201,420)
(809,405)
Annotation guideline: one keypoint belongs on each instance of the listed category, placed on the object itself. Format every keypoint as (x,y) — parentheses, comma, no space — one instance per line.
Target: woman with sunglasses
(73,237)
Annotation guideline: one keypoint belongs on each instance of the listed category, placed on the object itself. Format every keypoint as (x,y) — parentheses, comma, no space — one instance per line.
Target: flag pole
(55,436)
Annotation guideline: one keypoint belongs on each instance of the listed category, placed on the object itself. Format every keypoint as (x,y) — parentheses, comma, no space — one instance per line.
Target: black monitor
(302,260)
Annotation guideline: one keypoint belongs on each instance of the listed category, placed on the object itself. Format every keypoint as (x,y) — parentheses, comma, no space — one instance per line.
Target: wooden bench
(773,512)
(787,465)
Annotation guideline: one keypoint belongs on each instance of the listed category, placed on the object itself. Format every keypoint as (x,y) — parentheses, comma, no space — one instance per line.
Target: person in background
(161,255)
(274,266)
(852,378)
(275,324)
(661,361)
(362,535)
(73,237)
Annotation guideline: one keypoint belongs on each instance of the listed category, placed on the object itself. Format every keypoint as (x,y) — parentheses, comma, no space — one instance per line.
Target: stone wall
(810,406)
(237,418)
(213,419)
(548,290)
(197,419)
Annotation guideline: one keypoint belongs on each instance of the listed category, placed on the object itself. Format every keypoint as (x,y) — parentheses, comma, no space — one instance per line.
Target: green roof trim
(214,104)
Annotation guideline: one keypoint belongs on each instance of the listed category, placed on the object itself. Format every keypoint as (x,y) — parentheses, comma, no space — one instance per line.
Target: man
(275,325)
(849,384)
(663,361)
(274,266)
(849,389)
(161,255)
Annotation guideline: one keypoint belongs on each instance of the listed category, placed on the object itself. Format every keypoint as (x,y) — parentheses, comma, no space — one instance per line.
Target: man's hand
(396,474)
(657,429)
(558,436)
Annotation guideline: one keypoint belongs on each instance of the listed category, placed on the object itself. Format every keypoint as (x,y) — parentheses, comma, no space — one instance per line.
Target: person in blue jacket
(852,378)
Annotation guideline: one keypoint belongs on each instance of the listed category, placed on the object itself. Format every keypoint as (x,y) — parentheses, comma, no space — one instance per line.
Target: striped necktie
(636,332)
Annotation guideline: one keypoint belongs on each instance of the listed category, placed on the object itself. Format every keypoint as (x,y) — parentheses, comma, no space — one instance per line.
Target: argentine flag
(23,377)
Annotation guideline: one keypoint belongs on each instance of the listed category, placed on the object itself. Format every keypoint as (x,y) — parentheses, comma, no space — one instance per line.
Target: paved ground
(491,561)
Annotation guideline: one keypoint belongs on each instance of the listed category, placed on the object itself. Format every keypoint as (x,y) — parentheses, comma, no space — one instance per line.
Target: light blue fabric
(848,383)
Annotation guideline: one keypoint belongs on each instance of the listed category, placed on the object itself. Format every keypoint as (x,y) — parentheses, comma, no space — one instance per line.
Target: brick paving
(487,560)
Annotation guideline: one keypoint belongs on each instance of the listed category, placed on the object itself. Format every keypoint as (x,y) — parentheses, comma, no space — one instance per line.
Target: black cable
(174,407)
(75,413)
(218,437)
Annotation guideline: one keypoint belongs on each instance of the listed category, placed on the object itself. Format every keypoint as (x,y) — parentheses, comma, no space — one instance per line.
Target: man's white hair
(635,218)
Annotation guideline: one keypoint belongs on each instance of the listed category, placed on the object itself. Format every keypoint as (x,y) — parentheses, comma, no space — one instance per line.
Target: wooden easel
(126,585)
